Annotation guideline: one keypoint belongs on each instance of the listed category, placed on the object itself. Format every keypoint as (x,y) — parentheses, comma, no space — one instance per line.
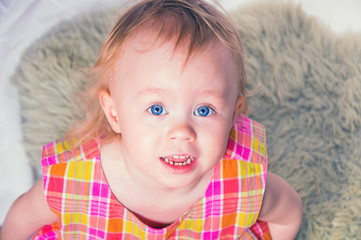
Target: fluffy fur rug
(310,102)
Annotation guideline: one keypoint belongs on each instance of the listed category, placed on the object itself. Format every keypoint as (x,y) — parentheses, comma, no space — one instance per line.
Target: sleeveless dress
(77,191)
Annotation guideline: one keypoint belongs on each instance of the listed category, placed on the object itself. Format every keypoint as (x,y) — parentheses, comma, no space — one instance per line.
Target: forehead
(147,62)
(148,43)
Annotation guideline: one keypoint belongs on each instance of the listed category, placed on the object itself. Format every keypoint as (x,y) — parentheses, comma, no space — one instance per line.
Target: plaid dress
(77,191)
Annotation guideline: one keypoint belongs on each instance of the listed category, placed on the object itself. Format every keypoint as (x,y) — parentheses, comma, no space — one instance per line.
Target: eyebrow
(151,90)
(217,95)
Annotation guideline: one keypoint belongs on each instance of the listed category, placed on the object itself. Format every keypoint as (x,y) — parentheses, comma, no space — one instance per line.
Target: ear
(109,109)
(238,108)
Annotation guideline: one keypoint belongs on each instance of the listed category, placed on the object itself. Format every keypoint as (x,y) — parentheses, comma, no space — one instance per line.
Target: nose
(181,132)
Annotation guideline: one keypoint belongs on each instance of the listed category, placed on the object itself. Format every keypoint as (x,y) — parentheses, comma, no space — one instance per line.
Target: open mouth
(177,160)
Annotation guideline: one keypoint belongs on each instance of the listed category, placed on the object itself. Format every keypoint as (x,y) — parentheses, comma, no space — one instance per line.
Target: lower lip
(179,169)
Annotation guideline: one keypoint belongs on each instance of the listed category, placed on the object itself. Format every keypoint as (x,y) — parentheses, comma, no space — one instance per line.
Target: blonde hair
(194,23)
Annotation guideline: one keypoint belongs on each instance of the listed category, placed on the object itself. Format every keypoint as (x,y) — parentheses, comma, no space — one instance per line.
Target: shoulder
(64,151)
(281,207)
(247,141)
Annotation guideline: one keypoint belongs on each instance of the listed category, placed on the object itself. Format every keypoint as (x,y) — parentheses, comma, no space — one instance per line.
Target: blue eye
(203,111)
(157,110)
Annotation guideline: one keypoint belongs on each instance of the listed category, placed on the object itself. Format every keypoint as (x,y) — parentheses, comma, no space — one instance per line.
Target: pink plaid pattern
(77,191)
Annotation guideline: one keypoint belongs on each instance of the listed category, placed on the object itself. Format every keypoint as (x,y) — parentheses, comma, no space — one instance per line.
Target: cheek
(216,140)
(129,120)
(139,140)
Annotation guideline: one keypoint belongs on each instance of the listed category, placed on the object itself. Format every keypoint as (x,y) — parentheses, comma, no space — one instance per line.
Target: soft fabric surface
(309,101)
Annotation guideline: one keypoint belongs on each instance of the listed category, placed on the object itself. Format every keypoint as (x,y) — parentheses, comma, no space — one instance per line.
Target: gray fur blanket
(309,101)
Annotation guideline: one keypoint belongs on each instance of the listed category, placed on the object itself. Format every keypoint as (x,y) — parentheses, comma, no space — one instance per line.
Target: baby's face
(174,121)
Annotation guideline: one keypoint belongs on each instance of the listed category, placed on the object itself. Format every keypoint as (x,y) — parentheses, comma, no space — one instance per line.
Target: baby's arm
(27,215)
(281,208)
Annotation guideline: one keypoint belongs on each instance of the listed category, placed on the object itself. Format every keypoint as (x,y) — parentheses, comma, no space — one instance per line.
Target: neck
(165,193)
(153,203)
(142,184)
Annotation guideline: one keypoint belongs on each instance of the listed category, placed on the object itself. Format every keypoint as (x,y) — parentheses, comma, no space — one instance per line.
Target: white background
(24,21)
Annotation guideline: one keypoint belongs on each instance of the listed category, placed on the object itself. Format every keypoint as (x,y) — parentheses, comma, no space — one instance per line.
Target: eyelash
(209,109)
(149,109)
(164,111)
